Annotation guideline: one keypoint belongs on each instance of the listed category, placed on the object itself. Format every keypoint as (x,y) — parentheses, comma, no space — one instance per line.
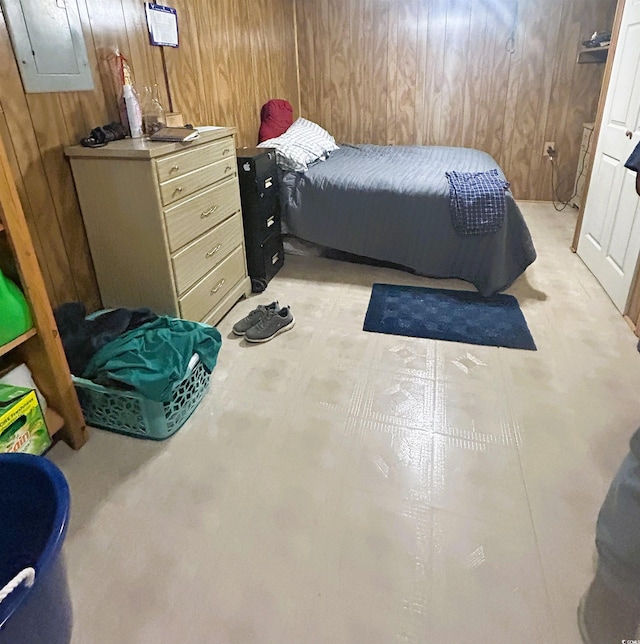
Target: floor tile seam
(386,427)
(511,389)
(508,522)
(391,421)
(429,384)
(481,439)
(421,374)
(519,522)
(477,386)
(439,475)
(368,395)
(536,538)
(444,409)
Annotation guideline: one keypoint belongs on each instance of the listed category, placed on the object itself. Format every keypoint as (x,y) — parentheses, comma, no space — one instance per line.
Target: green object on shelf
(15,316)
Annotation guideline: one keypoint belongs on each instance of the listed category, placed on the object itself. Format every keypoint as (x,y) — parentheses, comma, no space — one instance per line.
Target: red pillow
(276,116)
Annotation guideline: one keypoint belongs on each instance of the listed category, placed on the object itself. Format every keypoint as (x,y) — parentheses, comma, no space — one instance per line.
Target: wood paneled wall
(381,71)
(498,75)
(234,56)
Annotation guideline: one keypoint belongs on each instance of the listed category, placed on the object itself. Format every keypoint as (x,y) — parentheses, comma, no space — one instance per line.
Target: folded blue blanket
(477,201)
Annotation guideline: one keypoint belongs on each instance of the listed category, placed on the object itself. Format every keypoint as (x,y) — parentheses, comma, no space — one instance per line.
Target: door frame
(631,312)
(606,80)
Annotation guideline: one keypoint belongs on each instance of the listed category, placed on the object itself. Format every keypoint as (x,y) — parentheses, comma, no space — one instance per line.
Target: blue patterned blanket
(477,201)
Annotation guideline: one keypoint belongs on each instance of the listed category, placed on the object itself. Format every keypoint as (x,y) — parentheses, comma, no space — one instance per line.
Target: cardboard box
(22,424)
(174,119)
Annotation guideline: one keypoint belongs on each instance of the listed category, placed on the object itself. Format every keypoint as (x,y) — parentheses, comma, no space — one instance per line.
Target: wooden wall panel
(306,57)
(37,199)
(407,58)
(442,72)
(380,71)
(479,26)
(376,14)
(433,89)
(392,74)
(234,55)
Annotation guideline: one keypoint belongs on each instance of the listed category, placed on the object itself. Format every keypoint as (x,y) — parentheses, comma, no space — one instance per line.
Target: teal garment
(153,358)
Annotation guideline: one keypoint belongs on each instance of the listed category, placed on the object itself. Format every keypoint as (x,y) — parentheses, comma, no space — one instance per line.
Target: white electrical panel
(48,45)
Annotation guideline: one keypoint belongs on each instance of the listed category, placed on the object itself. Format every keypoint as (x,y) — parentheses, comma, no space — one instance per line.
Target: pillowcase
(303,143)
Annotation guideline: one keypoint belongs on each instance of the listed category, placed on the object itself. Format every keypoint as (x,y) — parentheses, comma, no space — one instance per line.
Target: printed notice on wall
(163,25)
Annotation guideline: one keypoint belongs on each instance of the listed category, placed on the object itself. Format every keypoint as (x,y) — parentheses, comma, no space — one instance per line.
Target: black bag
(100,136)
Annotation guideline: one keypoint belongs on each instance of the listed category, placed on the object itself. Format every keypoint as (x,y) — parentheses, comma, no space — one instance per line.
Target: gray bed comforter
(392,204)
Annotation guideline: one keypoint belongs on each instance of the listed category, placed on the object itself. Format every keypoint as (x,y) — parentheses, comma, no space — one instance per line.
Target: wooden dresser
(164,223)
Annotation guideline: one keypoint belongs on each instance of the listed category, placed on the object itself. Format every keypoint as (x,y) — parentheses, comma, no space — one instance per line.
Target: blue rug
(442,314)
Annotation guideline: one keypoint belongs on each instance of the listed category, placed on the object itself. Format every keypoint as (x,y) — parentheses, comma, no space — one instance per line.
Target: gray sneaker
(242,326)
(274,322)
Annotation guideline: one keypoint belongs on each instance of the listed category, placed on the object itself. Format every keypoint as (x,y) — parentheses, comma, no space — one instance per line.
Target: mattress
(391,203)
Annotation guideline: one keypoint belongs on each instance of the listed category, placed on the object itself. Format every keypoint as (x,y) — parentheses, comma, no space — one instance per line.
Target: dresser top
(145,149)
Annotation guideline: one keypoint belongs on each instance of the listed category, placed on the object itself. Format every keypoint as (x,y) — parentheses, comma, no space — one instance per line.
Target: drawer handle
(213,251)
(179,189)
(217,287)
(225,152)
(274,258)
(174,168)
(208,213)
(228,169)
(270,221)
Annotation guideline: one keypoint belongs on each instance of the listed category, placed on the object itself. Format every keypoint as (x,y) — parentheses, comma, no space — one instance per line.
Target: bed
(391,203)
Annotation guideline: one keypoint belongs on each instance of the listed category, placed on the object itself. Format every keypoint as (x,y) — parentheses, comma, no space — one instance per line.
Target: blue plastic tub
(34,510)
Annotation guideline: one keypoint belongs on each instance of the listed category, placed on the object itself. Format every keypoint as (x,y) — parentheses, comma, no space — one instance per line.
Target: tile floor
(342,487)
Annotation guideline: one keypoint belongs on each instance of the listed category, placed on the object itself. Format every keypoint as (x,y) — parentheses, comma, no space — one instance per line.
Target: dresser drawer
(181,163)
(193,216)
(261,220)
(202,255)
(176,189)
(206,294)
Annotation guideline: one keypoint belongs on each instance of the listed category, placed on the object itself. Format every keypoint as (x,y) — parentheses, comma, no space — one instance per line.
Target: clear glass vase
(153,118)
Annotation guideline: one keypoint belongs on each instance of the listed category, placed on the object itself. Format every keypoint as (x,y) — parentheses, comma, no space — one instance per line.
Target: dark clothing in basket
(82,337)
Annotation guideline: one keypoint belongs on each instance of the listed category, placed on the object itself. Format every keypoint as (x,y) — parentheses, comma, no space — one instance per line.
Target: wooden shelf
(54,421)
(40,348)
(593,54)
(5,348)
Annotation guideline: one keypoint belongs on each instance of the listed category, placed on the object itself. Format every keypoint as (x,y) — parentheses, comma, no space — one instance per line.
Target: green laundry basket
(128,412)
(16,316)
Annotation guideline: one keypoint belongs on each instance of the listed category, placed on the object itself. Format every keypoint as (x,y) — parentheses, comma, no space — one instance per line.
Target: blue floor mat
(442,314)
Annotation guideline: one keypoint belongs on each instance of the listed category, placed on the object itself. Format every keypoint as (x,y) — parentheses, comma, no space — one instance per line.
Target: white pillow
(303,143)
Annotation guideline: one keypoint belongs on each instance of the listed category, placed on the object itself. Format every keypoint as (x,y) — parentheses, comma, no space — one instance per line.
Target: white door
(610,236)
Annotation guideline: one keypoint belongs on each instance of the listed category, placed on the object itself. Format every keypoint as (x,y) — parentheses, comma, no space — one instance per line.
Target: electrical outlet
(547,145)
